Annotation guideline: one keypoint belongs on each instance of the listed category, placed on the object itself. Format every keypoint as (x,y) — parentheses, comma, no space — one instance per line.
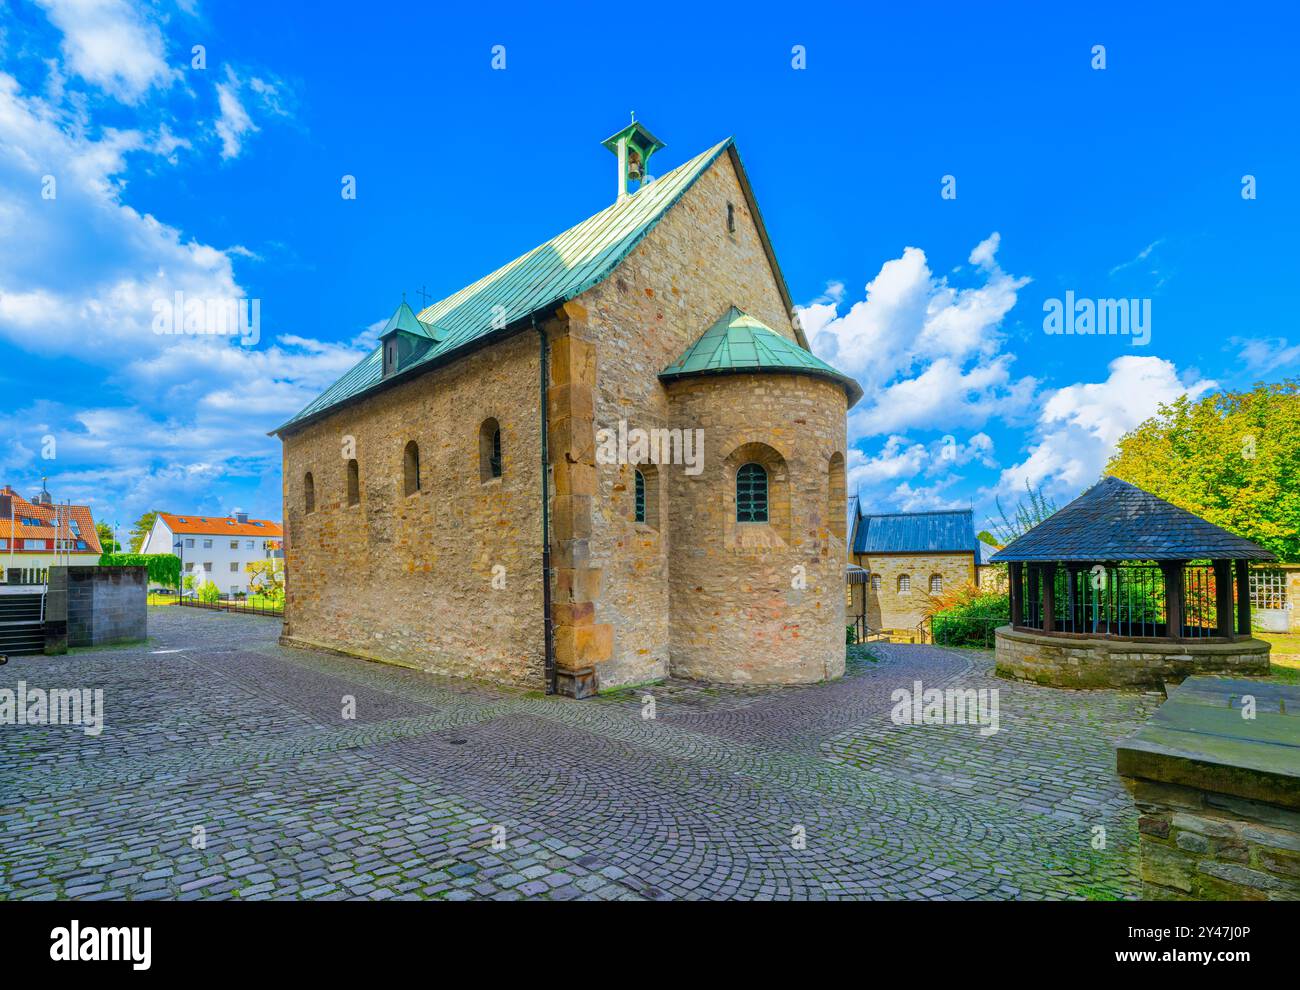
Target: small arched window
(411,468)
(904,582)
(936,584)
(354,483)
(489,450)
(640,497)
(751,493)
(309,492)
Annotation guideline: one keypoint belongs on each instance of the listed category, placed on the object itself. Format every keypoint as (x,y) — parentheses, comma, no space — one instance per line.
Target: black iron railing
(251,606)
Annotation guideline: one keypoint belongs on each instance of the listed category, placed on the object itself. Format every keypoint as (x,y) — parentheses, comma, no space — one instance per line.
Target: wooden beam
(1223,599)
(1174,605)
(1243,598)
(1049,597)
(1017,594)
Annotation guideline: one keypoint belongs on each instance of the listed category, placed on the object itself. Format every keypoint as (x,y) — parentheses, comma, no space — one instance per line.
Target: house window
(640,497)
(875,582)
(354,483)
(411,469)
(751,493)
(207,566)
(309,492)
(189,568)
(4,544)
(75,526)
(904,583)
(207,544)
(81,544)
(248,544)
(234,567)
(189,544)
(234,544)
(33,544)
(936,584)
(489,450)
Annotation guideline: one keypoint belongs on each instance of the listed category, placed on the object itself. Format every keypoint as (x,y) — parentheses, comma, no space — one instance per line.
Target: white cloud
(113,45)
(927,353)
(1262,355)
(234,121)
(1080,424)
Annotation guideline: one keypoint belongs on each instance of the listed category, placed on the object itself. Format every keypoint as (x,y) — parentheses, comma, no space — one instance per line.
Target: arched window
(751,493)
(354,483)
(309,492)
(411,468)
(875,582)
(489,450)
(640,497)
(904,582)
(936,584)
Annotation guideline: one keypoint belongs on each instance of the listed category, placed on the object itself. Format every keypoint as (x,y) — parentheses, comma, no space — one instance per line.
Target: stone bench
(1218,794)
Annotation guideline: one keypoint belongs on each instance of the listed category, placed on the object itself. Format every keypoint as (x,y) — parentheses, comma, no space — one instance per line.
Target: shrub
(209,592)
(163,568)
(969,617)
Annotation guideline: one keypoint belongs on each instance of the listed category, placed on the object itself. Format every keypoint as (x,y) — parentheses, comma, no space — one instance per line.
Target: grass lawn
(1285,659)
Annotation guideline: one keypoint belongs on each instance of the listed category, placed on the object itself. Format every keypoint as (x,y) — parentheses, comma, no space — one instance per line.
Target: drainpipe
(548,624)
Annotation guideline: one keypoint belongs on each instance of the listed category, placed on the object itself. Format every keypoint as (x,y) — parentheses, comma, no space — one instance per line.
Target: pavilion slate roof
(738,342)
(915,532)
(551,273)
(1114,520)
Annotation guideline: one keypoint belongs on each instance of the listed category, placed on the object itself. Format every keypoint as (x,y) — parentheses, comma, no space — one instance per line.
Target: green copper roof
(405,319)
(559,270)
(740,343)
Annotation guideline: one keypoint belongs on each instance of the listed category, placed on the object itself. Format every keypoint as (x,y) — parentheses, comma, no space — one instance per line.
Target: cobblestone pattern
(448,789)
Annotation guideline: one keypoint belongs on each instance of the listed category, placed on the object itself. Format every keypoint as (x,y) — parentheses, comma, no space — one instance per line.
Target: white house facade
(216,548)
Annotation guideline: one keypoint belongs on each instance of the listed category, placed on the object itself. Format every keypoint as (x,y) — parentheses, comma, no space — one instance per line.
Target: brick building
(629,409)
(37,534)
(905,558)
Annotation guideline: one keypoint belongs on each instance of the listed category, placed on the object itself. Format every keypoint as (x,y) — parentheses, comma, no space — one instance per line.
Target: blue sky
(225,180)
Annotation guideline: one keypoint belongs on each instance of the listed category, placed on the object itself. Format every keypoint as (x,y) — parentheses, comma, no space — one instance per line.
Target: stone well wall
(1217,788)
(95,606)
(1080,662)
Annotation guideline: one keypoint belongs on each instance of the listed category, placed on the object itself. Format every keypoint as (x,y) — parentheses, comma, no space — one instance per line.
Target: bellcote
(633,146)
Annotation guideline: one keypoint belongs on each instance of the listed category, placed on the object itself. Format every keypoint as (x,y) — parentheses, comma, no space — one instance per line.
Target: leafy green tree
(1232,458)
(141,529)
(106,541)
(209,592)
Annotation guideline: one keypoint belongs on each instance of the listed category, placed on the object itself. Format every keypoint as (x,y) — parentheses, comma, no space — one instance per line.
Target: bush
(850,636)
(163,568)
(209,592)
(971,622)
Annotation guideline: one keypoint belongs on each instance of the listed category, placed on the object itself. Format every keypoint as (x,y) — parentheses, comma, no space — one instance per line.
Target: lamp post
(179,547)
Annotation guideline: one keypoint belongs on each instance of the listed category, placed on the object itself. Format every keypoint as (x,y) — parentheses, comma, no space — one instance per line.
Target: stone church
(466,499)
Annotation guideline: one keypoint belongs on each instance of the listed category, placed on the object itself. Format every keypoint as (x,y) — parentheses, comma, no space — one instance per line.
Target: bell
(633,167)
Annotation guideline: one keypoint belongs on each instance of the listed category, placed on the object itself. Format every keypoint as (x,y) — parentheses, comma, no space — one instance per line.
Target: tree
(1231,457)
(106,541)
(141,529)
(209,593)
(1028,513)
(266,578)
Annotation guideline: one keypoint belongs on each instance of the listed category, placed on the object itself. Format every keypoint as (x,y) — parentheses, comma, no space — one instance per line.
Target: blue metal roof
(915,532)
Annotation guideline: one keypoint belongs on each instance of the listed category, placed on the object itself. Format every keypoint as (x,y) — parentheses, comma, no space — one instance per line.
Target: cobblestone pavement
(226,769)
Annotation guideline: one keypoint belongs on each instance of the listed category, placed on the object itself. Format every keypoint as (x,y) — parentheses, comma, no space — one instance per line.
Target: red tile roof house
(215,548)
(31,540)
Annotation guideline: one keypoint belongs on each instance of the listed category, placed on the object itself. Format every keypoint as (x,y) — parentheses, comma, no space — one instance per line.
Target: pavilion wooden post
(1049,597)
(1174,609)
(1223,599)
(1243,598)
(1017,594)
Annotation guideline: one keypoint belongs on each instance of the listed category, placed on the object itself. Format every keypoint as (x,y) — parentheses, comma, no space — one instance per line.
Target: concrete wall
(95,606)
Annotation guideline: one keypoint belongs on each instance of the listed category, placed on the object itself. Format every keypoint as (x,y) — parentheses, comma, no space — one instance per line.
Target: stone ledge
(1085,662)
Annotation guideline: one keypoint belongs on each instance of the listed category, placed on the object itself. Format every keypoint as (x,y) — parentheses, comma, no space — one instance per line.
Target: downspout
(548,624)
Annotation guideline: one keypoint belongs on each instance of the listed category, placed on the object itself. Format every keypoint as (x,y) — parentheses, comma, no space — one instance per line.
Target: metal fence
(257,606)
(1128,600)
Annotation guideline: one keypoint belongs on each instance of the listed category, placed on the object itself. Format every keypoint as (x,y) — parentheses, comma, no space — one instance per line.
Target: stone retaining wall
(95,606)
(1061,661)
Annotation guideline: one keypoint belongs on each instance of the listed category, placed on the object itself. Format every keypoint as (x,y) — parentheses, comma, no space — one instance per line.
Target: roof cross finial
(633,112)
(424,296)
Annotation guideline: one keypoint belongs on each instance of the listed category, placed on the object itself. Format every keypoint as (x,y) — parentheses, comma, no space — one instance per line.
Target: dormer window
(390,357)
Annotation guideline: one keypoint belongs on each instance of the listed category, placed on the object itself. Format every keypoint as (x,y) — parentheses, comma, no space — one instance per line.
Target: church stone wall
(409,579)
(759,603)
(684,275)
(888,608)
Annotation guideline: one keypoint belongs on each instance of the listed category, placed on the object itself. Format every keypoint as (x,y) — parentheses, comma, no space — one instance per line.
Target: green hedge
(972,623)
(164,568)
